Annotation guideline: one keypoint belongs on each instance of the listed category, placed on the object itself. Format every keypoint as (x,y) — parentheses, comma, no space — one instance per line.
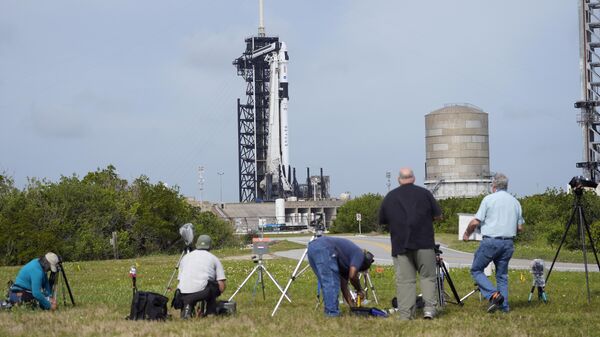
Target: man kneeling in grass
(32,286)
(201,278)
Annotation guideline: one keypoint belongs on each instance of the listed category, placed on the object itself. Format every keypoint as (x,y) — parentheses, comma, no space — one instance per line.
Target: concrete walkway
(380,246)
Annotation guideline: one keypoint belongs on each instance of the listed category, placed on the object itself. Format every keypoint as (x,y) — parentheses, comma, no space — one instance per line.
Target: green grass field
(102,291)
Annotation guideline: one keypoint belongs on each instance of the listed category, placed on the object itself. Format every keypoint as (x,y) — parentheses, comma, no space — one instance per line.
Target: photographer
(201,278)
(31,284)
(499,217)
(336,261)
(409,211)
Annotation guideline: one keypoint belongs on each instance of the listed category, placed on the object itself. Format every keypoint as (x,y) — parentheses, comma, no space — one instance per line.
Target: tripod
(297,272)
(54,280)
(368,286)
(582,228)
(442,275)
(186,250)
(260,268)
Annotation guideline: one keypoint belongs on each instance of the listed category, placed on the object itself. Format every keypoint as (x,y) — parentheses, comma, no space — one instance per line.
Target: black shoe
(496,301)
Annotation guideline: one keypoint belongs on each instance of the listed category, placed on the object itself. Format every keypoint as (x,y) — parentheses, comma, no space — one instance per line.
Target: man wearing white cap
(32,282)
(201,278)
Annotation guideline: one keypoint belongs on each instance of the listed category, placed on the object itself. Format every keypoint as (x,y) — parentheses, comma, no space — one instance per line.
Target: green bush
(368,206)
(76,217)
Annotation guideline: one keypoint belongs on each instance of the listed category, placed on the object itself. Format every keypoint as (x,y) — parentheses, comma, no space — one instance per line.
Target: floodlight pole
(221,184)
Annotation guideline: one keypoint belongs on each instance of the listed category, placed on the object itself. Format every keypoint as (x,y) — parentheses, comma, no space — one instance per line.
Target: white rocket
(278,145)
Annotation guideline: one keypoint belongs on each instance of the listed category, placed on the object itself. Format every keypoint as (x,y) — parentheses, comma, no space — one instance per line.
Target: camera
(579,182)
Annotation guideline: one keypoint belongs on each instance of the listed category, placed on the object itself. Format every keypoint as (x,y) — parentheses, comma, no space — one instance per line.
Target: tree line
(546,216)
(75,217)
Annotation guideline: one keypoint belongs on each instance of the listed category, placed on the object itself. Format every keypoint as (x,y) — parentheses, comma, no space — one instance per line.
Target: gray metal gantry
(589,118)
(253,119)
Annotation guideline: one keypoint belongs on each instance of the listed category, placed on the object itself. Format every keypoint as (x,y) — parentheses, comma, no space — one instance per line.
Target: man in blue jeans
(500,218)
(336,261)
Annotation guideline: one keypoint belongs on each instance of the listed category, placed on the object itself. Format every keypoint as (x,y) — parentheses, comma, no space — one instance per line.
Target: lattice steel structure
(253,119)
(589,119)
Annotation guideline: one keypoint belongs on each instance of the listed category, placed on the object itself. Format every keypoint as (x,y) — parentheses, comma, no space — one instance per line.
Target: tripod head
(578,183)
(437,250)
(318,226)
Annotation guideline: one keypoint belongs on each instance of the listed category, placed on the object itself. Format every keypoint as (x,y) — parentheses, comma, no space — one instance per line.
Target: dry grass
(103,293)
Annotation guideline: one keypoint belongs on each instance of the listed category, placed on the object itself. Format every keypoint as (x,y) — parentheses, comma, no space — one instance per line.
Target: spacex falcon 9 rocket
(278,153)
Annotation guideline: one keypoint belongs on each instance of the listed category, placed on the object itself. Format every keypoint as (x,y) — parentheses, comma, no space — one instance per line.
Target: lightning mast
(589,118)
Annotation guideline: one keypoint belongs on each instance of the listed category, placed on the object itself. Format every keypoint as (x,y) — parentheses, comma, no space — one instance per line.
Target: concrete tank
(457,151)
(280,211)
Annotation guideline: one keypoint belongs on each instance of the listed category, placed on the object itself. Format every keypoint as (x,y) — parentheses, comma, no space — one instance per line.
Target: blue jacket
(32,277)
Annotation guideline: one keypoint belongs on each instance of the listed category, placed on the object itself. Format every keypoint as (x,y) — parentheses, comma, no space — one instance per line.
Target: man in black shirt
(409,211)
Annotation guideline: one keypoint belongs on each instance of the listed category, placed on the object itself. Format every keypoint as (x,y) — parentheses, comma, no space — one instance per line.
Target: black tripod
(54,280)
(186,250)
(582,228)
(442,275)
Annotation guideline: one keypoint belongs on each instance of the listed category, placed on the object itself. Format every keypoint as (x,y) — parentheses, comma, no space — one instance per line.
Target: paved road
(380,246)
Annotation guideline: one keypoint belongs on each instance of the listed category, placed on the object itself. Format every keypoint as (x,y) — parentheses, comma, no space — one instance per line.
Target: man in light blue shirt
(499,218)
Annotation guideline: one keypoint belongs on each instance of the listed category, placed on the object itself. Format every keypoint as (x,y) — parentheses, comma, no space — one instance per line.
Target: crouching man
(32,286)
(201,278)
(336,261)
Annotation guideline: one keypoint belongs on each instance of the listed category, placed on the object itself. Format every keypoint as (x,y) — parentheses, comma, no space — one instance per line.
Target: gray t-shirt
(196,269)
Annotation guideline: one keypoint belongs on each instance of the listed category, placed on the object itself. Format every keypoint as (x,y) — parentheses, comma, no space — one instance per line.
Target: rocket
(278,143)
(283,104)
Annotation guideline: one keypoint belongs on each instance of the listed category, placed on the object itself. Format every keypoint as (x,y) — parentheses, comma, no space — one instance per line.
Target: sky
(149,87)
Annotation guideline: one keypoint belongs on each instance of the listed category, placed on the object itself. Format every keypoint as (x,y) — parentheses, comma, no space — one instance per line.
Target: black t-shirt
(409,210)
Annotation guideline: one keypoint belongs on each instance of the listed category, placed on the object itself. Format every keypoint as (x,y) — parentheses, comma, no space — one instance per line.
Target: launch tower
(589,119)
(264,170)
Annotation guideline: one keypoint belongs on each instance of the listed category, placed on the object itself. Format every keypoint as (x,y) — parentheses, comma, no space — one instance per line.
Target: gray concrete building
(247,216)
(457,151)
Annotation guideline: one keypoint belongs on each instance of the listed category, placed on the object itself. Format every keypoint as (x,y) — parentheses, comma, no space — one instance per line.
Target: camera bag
(226,308)
(148,306)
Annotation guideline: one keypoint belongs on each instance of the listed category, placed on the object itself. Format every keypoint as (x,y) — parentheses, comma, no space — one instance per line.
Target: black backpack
(148,306)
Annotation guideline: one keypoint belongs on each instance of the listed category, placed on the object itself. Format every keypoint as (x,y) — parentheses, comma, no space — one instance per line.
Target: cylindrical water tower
(457,151)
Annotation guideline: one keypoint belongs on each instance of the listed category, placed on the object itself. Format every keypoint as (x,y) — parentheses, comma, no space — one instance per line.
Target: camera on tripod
(579,182)
(318,225)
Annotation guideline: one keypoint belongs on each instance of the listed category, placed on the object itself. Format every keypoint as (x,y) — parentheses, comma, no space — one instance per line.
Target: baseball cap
(368,260)
(53,260)
(204,242)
